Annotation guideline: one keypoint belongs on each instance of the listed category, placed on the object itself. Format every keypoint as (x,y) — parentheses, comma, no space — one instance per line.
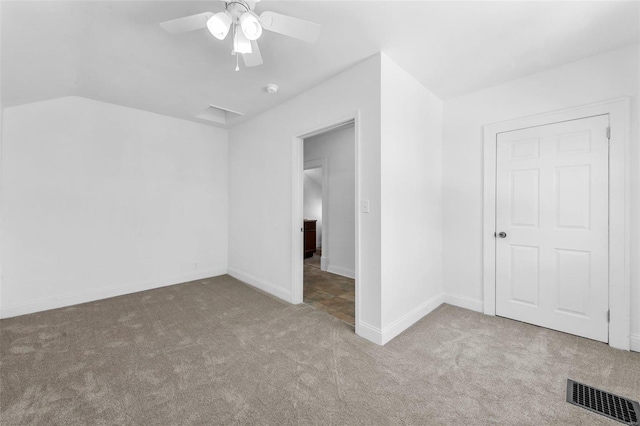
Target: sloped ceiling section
(37,67)
(115,51)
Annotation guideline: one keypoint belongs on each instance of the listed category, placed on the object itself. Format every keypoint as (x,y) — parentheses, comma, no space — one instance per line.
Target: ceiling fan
(239,18)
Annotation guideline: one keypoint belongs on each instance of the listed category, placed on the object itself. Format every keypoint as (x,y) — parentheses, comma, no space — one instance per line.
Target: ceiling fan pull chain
(237,67)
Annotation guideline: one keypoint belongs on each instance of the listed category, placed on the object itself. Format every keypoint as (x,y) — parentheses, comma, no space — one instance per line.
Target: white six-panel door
(552,204)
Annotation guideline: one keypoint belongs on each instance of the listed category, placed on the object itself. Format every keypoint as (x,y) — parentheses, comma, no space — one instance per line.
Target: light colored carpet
(218,352)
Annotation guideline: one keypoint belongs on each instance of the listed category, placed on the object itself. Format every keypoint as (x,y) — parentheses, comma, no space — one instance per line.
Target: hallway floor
(329,292)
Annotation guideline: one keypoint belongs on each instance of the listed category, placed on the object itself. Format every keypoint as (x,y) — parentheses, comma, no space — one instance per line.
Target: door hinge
(609,316)
(608,132)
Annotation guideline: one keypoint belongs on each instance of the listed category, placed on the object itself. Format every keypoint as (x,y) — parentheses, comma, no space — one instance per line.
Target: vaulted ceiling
(115,51)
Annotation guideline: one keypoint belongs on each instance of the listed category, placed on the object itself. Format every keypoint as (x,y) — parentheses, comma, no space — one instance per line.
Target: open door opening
(329,217)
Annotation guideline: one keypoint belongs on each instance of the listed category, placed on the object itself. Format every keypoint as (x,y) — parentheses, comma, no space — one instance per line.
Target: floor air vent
(607,404)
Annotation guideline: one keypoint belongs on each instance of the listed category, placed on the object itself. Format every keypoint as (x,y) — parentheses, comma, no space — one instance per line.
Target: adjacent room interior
(329,222)
(310,212)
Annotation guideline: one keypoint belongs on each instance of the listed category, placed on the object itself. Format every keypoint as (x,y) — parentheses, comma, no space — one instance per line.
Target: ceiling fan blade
(290,26)
(254,58)
(187,24)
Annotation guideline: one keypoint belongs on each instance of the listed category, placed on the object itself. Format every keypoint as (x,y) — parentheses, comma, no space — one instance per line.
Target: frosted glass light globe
(219,25)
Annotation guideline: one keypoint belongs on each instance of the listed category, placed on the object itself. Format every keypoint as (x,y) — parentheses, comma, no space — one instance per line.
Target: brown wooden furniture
(309,237)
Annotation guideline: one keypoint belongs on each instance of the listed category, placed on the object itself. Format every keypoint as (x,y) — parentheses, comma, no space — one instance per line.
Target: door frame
(322,163)
(619,207)
(297,205)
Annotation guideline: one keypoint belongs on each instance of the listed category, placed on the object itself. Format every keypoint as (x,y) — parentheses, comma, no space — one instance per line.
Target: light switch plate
(364,206)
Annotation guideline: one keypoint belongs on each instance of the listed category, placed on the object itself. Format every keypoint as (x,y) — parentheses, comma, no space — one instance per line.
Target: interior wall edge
(410,318)
(369,332)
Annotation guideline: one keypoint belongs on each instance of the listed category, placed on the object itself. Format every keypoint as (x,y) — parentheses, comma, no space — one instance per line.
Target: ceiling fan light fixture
(246,27)
(241,44)
(250,26)
(219,25)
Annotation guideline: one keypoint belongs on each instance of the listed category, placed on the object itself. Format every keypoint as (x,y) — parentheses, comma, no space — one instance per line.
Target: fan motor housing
(237,8)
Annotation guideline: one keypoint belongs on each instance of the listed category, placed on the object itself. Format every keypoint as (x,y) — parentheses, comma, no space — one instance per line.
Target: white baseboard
(386,334)
(410,318)
(103,293)
(369,332)
(464,302)
(635,342)
(324,262)
(477,305)
(261,284)
(349,273)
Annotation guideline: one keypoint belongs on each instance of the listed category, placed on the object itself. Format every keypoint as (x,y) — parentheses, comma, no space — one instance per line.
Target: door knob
(502,234)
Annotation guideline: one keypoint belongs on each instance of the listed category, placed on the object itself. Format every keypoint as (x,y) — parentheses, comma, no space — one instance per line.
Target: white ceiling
(315,175)
(114,51)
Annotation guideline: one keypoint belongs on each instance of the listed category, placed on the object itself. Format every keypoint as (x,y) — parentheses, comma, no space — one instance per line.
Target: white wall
(1,127)
(399,171)
(338,148)
(261,179)
(411,200)
(598,78)
(100,200)
(313,203)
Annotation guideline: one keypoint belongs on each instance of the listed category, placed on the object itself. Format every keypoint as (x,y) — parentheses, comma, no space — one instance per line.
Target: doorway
(560,262)
(329,222)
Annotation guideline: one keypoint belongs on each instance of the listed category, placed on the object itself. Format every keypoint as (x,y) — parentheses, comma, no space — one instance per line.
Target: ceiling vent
(218,115)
